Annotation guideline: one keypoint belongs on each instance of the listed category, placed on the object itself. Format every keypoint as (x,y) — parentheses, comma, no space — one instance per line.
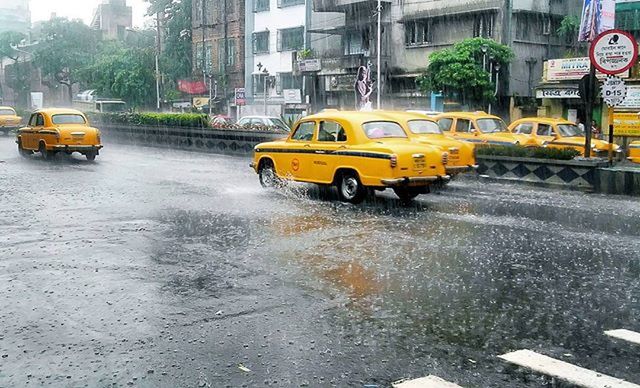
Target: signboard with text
(571,69)
(308,65)
(558,93)
(626,124)
(614,52)
(633,98)
(614,91)
(292,96)
(241,98)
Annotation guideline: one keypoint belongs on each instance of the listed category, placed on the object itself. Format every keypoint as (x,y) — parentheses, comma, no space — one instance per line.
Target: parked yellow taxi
(634,152)
(425,130)
(476,127)
(50,131)
(9,119)
(557,133)
(355,151)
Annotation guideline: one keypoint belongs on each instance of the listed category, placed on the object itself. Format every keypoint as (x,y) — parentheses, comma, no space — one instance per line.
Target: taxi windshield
(7,112)
(422,127)
(570,130)
(491,125)
(383,129)
(68,119)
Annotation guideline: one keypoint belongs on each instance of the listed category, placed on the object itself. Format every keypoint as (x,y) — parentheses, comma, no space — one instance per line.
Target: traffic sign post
(614,91)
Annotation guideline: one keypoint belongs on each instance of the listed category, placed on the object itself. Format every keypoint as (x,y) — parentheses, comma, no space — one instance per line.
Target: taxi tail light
(98,137)
(445,157)
(393,160)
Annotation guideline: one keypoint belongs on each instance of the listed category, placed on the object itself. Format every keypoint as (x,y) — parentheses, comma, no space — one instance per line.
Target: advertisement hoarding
(597,16)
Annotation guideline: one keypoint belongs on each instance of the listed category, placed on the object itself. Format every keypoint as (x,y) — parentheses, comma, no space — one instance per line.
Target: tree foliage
(65,49)
(568,31)
(8,40)
(460,71)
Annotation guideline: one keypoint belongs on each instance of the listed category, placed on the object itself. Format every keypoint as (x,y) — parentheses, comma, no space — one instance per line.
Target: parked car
(355,151)
(263,121)
(476,127)
(9,119)
(50,131)
(634,152)
(425,130)
(557,133)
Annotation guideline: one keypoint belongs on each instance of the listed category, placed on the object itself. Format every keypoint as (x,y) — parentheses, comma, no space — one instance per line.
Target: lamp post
(378,53)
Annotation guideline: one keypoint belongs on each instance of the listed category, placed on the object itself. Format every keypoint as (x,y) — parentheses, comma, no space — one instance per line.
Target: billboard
(597,16)
(626,124)
(570,69)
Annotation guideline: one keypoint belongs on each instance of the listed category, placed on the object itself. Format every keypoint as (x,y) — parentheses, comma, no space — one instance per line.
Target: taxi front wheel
(267,175)
(350,189)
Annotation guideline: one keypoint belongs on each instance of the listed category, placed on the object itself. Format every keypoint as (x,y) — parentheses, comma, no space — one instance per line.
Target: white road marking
(564,371)
(425,382)
(625,335)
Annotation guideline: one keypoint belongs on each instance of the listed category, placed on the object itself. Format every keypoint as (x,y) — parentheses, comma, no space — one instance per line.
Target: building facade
(15,16)
(112,18)
(219,48)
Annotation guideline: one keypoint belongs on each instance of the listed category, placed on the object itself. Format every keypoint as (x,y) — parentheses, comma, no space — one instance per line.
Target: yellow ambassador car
(354,151)
(557,133)
(476,127)
(9,119)
(425,130)
(634,152)
(50,131)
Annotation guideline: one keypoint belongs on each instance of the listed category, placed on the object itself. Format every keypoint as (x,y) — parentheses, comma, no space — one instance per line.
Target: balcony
(345,5)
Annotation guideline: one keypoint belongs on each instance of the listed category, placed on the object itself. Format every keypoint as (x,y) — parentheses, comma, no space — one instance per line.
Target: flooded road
(155,267)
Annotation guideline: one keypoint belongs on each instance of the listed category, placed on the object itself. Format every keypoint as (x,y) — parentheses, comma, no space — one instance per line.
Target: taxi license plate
(419,164)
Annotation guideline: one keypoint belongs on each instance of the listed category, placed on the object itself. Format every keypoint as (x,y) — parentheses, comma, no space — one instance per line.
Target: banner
(597,16)
(626,124)
(192,87)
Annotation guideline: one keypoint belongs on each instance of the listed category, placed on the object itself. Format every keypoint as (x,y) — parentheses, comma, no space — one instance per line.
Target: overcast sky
(81,9)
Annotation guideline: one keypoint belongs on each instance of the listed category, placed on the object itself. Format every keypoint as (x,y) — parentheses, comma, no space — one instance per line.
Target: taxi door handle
(320,152)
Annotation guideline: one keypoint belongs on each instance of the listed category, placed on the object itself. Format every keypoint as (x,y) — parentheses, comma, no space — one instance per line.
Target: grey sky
(81,9)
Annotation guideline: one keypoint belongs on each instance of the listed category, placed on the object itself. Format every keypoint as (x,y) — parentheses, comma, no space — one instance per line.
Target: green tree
(9,40)
(459,71)
(17,74)
(65,49)
(568,30)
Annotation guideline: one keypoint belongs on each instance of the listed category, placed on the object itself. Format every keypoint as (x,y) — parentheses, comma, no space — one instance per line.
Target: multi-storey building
(15,16)
(219,47)
(411,30)
(112,18)
(277,31)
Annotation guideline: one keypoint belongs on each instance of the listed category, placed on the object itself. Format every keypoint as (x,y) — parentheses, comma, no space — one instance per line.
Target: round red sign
(613,52)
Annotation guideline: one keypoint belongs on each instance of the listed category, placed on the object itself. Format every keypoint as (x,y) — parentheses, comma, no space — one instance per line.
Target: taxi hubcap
(349,187)
(267,176)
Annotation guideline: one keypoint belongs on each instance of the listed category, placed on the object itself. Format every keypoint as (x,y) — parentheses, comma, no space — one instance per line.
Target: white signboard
(37,100)
(309,65)
(614,52)
(292,96)
(557,93)
(614,91)
(632,101)
(571,69)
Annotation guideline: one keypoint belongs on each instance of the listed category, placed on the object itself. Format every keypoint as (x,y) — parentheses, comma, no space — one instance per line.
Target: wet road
(167,268)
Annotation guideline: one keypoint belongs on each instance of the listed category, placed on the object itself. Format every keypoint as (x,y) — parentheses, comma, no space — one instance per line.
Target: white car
(267,121)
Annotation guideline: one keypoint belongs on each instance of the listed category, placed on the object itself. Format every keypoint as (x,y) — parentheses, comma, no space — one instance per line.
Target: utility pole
(225,60)
(378,52)
(202,30)
(158,42)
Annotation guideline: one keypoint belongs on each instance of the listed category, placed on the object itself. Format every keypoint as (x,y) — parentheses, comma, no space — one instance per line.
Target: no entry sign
(613,52)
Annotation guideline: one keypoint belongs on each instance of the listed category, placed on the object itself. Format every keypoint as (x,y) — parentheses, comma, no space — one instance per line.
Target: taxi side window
(524,128)
(462,126)
(32,120)
(304,132)
(39,120)
(544,130)
(445,124)
(331,131)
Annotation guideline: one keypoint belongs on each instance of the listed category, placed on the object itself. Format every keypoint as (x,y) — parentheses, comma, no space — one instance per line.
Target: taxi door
(545,132)
(296,161)
(29,135)
(332,137)
(463,130)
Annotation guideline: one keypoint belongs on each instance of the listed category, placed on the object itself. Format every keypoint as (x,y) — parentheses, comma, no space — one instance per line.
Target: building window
(483,26)
(417,33)
(291,39)
(261,42)
(230,58)
(260,5)
(208,59)
(356,42)
(288,81)
(197,8)
(289,3)
(258,84)
(197,48)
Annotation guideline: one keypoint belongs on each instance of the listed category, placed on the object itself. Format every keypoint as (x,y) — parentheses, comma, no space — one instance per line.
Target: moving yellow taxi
(634,152)
(557,133)
(425,130)
(50,131)
(476,127)
(355,151)
(9,119)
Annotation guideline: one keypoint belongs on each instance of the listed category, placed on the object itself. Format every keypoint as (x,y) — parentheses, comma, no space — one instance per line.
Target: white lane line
(425,382)
(564,371)
(625,335)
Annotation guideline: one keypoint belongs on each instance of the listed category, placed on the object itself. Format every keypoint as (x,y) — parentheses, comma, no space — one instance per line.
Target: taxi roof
(6,107)
(52,111)
(355,117)
(545,120)
(463,115)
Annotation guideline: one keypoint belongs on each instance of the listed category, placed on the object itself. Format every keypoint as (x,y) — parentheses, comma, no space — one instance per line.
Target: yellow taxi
(425,130)
(557,133)
(50,131)
(9,119)
(476,127)
(634,152)
(355,151)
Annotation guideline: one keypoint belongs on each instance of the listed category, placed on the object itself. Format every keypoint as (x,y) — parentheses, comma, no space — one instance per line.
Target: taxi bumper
(76,148)
(408,181)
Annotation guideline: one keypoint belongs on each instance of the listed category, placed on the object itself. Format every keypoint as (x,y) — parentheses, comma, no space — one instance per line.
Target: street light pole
(266,76)
(158,43)
(378,52)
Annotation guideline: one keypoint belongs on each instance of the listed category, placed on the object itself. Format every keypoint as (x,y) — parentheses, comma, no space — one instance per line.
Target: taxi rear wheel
(267,175)
(24,153)
(91,156)
(407,194)
(42,148)
(350,189)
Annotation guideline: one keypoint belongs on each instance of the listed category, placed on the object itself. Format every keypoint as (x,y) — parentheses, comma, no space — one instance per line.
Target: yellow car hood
(576,141)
